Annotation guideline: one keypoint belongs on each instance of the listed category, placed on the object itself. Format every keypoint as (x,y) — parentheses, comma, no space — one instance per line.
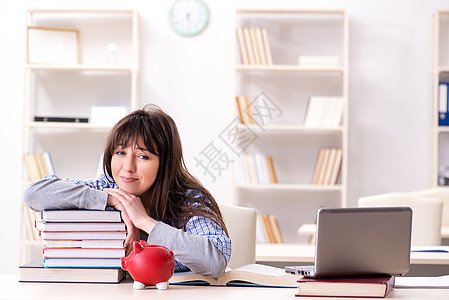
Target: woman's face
(134,168)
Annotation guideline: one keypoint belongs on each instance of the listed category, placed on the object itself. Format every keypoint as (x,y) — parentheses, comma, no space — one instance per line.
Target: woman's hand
(134,209)
(133,232)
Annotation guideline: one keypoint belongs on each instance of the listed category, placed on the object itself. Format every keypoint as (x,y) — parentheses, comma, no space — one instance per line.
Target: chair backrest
(241,224)
(426,223)
(437,193)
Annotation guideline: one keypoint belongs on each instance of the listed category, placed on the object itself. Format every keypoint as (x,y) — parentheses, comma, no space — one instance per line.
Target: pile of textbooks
(77,240)
(82,238)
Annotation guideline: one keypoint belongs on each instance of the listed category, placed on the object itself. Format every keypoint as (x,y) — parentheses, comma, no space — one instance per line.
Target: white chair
(241,224)
(437,193)
(426,223)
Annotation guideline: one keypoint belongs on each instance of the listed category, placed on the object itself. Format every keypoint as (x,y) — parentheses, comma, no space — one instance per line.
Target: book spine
(443,117)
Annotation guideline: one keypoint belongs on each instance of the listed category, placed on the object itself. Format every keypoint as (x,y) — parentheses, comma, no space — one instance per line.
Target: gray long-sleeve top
(203,248)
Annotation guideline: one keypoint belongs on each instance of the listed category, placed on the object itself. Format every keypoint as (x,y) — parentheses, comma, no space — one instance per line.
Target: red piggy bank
(149,265)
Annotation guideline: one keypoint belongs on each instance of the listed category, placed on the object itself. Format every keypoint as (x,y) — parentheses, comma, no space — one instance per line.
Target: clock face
(189,17)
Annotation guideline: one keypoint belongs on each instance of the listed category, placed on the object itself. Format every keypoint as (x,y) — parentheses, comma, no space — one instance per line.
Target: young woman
(161,202)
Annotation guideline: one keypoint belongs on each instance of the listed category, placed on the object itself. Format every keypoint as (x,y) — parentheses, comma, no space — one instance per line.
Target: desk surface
(305,253)
(11,288)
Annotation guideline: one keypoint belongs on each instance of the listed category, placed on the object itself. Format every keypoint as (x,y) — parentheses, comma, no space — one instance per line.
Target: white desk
(310,229)
(11,288)
(280,255)
(297,253)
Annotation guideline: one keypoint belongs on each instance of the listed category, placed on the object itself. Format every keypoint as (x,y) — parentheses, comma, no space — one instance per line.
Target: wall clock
(189,17)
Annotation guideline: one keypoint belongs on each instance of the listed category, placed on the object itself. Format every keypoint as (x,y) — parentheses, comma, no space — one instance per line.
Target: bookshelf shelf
(104,74)
(291,187)
(66,125)
(289,128)
(79,67)
(442,129)
(289,69)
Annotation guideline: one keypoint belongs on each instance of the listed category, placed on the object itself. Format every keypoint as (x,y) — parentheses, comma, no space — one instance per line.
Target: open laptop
(360,241)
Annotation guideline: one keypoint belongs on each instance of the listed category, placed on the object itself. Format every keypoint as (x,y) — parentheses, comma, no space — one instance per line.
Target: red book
(378,287)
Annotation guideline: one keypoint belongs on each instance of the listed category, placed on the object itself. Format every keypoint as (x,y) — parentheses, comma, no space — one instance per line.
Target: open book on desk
(248,275)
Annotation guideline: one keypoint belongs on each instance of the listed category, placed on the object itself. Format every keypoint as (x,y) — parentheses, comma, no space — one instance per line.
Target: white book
(250,169)
(315,112)
(260,236)
(82,262)
(337,166)
(97,243)
(54,226)
(259,168)
(330,165)
(82,235)
(48,162)
(335,112)
(84,252)
(267,46)
(324,112)
(81,215)
(443,98)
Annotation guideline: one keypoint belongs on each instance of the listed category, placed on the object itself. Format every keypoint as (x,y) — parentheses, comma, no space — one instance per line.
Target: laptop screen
(363,241)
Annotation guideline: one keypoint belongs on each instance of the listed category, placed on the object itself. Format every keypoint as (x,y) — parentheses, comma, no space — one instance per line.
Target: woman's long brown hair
(169,199)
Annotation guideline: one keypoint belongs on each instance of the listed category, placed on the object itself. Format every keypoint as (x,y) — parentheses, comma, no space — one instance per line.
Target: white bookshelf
(99,78)
(294,200)
(440,72)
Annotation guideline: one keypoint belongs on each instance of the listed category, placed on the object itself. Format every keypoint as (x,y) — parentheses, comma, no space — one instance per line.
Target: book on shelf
(443,100)
(74,252)
(328,165)
(35,272)
(81,215)
(324,112)
(376,287)
(258,168)
(268,230)
(61,119)
(81,262)
(29,217)
(96,243)
(38,165)
(244,109)
(79,226)
(248,275)
(254,46)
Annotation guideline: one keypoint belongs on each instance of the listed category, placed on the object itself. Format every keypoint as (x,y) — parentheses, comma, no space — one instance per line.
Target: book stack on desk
(80,239)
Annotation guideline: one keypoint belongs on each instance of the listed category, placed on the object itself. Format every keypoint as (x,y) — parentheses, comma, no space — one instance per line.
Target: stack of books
(268,230)
(328,165)
(256,168)
(254,46)
(79,243)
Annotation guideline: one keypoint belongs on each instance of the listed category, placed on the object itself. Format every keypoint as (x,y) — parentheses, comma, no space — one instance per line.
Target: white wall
(191,79)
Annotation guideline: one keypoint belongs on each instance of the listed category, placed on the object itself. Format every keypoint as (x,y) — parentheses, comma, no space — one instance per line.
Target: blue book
(443,116)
